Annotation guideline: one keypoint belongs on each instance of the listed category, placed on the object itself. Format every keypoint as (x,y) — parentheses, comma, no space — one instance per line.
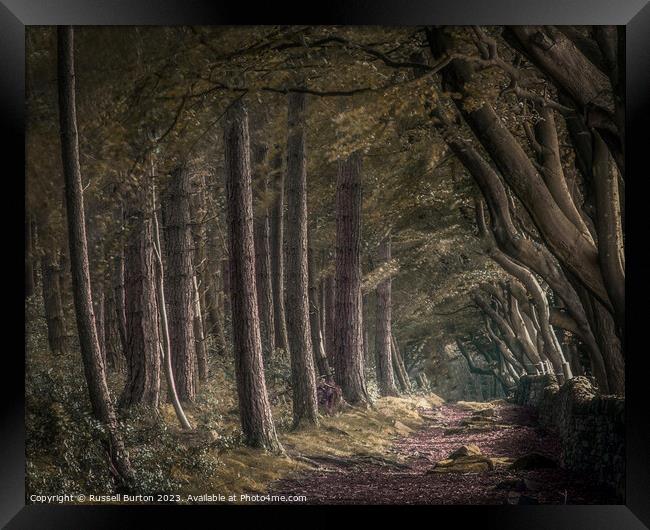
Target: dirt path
(406,477)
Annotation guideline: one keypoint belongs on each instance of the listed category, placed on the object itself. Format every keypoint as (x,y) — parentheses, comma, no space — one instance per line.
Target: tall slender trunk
(213,292)
(94,368)
(142,338)
(179,282)
(303,378)
(114,351)
(315,321)
(277,255)
(165,343)
(348,357)
(199,235)
(383,330)
(120,303)
(99,303)
(199,338)
(330,320)
(254,407)
(263,279)
(54,315)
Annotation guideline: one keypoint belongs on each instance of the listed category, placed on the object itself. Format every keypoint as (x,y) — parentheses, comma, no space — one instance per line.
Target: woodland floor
(405,476)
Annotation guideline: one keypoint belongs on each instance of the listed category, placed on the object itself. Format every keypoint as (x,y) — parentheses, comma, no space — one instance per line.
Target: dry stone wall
(591,426)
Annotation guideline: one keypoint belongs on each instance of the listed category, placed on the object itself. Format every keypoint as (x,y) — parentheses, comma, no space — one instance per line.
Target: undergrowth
(64,454)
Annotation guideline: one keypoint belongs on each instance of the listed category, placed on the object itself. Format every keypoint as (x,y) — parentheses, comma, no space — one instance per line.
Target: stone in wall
(591,426)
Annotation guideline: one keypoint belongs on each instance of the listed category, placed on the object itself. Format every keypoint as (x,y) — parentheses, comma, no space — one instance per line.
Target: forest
(328,264)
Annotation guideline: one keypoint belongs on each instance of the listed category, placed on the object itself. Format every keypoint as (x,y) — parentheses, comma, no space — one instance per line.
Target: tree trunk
(165,343)
(199,338)
(277,255)
(541,304)
(227,292)
(398,367)
(383,331)
(114,351)
(94,368)
(263,280)
(303,379)
(330,320)
(315,321)
(99,302)
(254,407)
(179,282)
(120,304)
(610,229)
(53,305)
(348,356)
(199,235)
(29,257)
(142,338)
(213,292)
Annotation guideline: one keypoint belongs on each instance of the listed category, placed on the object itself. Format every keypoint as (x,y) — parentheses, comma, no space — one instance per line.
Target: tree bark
(303,380)
(179,282)
(263,279)
(277,255)
(99,303)
(114,351)
(315,322)
(120,304)
(610,229)
(199,338)
(398,367)
(29,257)
(53,305)
(142,338)
(541,304)
(254,407)
(94,368)
(214,294)
(165,343)
(330,320)
(383,329)
(348,357)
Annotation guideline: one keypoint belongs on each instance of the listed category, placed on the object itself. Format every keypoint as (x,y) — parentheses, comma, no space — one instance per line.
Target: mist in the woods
(325,264)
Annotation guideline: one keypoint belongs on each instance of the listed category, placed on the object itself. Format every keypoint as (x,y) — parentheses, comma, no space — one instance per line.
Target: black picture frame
(634,14)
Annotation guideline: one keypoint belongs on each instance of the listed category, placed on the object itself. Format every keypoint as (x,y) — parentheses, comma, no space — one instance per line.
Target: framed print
(384,254)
